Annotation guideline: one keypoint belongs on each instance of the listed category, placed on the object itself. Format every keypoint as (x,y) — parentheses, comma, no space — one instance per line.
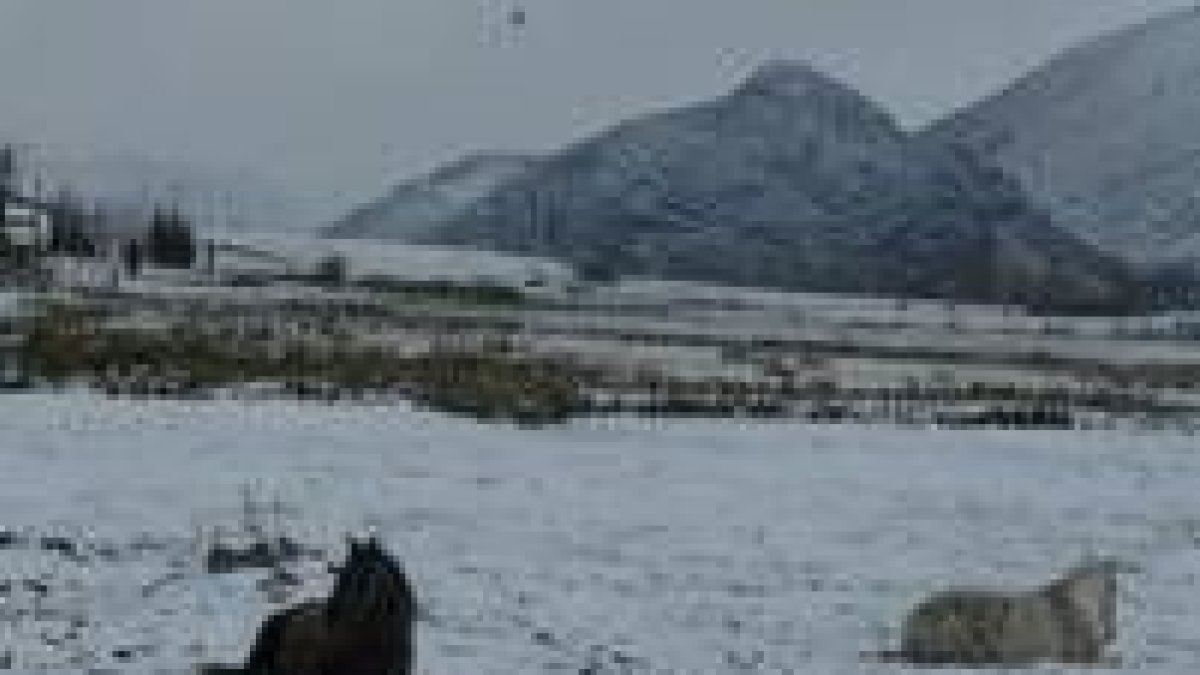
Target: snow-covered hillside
(1106,136)
(418,206)
(791,181)
(606,547)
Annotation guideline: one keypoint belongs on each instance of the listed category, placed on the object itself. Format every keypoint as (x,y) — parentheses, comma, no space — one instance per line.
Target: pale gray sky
(349,95)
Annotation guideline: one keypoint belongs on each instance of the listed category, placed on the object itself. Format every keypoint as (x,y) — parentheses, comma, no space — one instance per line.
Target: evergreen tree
(170,241)
(332,270)
(6,248)
(8,174)
(211,256)
(131,254)
(70,223)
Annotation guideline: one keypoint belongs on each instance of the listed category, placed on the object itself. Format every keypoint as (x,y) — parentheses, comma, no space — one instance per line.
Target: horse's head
(1091,586)
(370,582)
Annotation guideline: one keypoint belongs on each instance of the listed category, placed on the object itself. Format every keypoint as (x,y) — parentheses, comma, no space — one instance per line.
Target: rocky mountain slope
(1106,138)
(418,206)
(791,181)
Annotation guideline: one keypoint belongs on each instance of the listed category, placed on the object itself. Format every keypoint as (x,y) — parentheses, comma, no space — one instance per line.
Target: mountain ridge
(1103,137)
(419,204)
(791,180)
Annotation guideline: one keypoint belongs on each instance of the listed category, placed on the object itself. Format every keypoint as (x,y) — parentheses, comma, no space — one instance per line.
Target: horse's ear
(353,548)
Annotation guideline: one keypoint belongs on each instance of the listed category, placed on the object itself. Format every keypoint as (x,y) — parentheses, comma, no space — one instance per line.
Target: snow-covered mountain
(1107,136)
(423,204)
(790,181)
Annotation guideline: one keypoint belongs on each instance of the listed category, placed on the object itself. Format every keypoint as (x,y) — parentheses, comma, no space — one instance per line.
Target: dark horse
(364,627)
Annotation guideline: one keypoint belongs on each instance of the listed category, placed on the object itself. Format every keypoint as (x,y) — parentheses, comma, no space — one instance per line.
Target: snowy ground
(368,256)
(624,546)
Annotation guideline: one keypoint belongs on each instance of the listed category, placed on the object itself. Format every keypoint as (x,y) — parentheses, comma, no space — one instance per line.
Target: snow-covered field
(621,546)
(366,257)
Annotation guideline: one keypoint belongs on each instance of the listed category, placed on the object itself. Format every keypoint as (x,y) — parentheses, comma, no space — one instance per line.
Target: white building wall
(26,226)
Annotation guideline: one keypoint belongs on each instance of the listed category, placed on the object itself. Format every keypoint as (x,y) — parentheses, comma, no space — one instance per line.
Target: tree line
(77,230)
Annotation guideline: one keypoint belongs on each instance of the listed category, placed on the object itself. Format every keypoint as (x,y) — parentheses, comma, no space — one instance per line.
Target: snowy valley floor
(622,546)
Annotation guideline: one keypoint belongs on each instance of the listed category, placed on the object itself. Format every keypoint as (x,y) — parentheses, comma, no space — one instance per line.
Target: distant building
(25,225)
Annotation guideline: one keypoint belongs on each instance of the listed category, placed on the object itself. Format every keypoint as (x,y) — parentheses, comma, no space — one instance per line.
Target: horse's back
(984,626)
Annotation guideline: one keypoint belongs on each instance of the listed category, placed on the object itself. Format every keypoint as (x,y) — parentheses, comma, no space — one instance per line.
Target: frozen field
(607,547)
